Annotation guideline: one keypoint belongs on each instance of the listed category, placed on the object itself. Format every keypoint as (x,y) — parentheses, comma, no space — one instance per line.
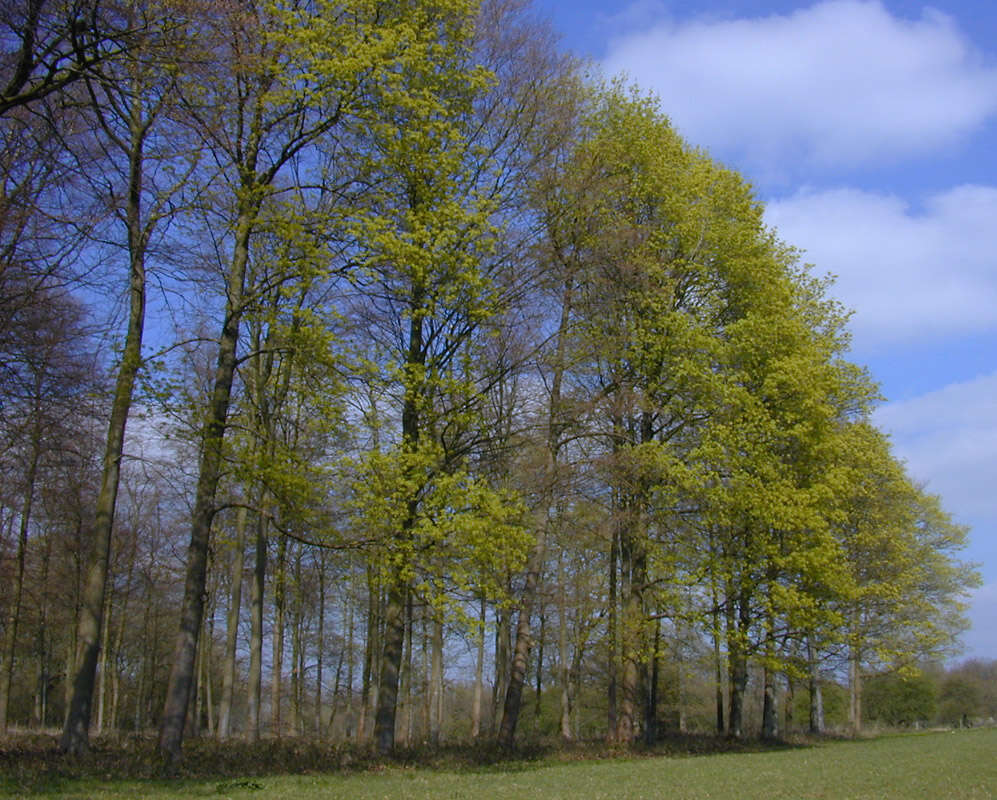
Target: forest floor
(948,764)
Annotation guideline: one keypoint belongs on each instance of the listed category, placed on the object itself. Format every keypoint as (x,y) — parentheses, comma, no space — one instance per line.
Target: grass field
(958,764)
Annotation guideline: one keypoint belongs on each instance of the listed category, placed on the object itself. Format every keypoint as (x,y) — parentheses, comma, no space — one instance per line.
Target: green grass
(958,764)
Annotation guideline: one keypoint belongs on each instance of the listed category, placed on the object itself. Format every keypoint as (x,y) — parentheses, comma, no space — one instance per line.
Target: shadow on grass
(32,763)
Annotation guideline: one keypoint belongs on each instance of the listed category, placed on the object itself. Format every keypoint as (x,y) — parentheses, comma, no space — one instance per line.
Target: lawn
(957,764)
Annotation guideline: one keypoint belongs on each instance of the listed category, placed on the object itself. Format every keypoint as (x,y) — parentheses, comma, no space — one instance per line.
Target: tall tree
(129,100)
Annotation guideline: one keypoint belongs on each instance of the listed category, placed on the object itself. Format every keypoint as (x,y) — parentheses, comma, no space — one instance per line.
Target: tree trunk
(521,651)
(855,692)
(320,646)
(531,588)
(279,603)
(232,626)
(538,692)
(479,672)
(770,712)
(398,587)
(737,642)
(42,642)
(17,591)
(76,730)
(563,670)
(816,693)
(633,557)
(192,609)
(718,663)
(394,636)
(613,640)
(102,686)
(254,699)
(503,656)
(651,693)
(407,721)
(436,682)
(372,654)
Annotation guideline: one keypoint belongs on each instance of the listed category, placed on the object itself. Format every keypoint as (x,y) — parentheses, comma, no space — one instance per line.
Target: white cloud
(909,275)
(840,83)
(949,439)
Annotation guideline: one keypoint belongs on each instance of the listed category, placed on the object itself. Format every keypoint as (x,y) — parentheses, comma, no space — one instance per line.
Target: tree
(130,99)
(47,375)
(47,45)
(901,548)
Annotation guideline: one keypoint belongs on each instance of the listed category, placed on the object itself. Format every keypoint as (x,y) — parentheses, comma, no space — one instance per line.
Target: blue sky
(869,129)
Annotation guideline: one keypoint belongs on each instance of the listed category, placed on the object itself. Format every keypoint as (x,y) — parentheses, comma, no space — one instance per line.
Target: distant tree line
(456,384)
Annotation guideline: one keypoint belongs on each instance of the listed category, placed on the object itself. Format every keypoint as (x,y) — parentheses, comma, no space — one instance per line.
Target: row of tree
(429,340)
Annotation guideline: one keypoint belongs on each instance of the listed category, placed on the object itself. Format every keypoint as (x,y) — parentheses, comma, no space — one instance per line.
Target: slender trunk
(75,735)
(372,651)
(119,635)
(737,642)
(394,636)
(17,591)
(335,696)
(398,587)
(538,691)
(42,641)
(436,682)
(629,683)
(279,602)
(521,651)
(479,672)
(816,694)
(718,662)
(426,679)
(563,674)
(209,472)
(102,686)
(209,695)
(531,588)
(232,626)
(254,698)
(350,657)
(855,692)
(651,711)
(320,645)
(503,654)
(788,710)
(297,650)
(407,721)
(613,640)
(770,714)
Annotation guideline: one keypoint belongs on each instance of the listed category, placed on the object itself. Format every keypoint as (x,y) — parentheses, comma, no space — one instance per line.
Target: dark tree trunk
(816,693)
(75,734)
(192,609)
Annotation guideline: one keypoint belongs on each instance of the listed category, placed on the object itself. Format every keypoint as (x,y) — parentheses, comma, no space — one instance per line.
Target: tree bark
(816,693)
(192,610)
(563,669)
(17,591)
(280,610)
(436,682)
(855,692)
(531,587)
(770,713)
(479,671)
(232,625)
(320,646)
(76,730)
(394,636)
